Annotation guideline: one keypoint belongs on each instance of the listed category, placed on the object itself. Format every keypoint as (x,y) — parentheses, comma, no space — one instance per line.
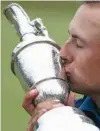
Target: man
(81,54)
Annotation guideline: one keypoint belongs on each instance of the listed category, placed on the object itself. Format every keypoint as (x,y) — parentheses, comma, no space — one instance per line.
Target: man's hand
(27,102)
(41,108)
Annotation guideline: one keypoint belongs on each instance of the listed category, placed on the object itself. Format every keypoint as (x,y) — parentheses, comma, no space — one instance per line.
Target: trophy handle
(19,19)
(25,28)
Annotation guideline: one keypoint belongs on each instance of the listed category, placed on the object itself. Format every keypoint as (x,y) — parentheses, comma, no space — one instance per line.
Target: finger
(71,99)
(33,121)
(27,102)
(48,104)
(40,109)
(30,127)
(58,105)
(38,113)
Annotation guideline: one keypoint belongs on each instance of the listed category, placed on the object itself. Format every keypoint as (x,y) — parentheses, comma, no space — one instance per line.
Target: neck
(96,99)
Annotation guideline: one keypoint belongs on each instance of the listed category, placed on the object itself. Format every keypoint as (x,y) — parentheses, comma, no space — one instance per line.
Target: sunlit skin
(82,51)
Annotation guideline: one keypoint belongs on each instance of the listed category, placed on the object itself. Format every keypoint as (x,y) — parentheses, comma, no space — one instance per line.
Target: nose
(66,53)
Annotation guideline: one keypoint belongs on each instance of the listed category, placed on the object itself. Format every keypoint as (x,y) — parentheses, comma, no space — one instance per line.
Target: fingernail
(58,105)
(44,110)
(34,91)
(56,100)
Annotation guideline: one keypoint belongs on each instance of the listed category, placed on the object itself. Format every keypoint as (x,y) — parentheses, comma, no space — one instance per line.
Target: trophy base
(65,118)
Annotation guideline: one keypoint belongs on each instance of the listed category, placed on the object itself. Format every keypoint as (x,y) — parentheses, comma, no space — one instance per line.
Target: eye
(76,42)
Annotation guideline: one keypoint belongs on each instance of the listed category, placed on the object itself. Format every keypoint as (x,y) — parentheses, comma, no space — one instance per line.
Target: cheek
(87,68)
(79,74)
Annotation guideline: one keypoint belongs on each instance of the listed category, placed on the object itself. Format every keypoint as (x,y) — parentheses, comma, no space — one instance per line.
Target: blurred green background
(56,17)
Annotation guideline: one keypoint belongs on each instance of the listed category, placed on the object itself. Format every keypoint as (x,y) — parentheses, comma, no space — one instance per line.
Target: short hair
(91,2)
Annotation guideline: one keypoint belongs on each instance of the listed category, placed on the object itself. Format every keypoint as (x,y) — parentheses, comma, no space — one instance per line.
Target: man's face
(82,51)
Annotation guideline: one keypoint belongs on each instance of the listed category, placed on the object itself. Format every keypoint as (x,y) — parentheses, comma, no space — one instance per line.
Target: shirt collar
(89,105)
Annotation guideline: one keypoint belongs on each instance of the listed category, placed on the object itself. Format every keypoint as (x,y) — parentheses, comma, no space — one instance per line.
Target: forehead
(86,22)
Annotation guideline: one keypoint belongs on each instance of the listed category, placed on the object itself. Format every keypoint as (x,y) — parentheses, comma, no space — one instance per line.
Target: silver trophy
(35,60)
(37,64)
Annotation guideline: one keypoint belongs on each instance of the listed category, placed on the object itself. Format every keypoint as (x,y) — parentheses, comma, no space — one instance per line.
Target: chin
(76,86)
(77,89)
(73,87)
